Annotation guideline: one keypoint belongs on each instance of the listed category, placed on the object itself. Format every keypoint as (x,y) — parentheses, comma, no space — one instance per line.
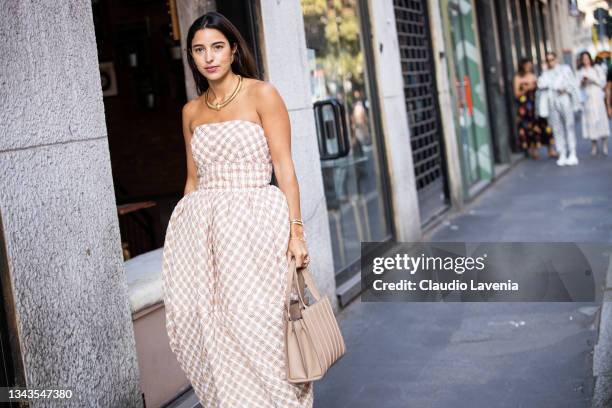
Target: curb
(602,356)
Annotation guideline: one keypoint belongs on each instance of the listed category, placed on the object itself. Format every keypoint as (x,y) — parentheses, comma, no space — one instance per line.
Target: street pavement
(490,355)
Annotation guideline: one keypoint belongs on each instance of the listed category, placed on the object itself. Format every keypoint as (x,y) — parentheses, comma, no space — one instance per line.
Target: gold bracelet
(300,238)
(297,221)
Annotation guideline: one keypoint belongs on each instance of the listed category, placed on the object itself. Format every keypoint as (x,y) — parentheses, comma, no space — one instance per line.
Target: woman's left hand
(297,249)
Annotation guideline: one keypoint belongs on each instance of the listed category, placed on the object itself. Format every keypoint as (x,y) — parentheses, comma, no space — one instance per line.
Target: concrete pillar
(57,202)
(286,65)
(395,121)
(563,25)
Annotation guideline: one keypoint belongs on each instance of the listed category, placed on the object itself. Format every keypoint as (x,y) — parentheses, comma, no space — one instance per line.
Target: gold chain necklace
(219,105)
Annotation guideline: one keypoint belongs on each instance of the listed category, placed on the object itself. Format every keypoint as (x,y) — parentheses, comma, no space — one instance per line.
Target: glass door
(470,107)
(352,170)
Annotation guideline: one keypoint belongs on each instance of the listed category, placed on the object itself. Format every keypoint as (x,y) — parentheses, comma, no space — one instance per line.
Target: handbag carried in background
(541,103)
(313,341)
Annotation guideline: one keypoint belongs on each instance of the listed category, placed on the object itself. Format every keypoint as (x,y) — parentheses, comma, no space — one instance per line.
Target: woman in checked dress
(231,236)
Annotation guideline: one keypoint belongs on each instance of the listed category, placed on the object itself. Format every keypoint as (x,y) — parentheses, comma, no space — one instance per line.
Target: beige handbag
(313,341)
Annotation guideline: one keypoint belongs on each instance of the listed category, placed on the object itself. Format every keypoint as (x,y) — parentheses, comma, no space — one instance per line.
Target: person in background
(595,119)
(601,64)
(362,144)
(609,93)
(533,131)
(561,86)
(359,120)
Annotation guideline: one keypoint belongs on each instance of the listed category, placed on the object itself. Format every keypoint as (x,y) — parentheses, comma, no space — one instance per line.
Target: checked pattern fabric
(224,274)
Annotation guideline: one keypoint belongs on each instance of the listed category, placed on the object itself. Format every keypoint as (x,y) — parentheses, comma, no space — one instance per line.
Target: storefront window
(353,187)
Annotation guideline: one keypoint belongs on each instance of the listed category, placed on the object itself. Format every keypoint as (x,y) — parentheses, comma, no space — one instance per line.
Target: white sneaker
(562,160)
(572,160)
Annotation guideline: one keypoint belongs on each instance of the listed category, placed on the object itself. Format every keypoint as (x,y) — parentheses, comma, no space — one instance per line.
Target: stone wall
(58,209)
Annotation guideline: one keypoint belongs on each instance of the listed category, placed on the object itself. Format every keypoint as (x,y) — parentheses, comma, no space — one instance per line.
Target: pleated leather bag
(313,341)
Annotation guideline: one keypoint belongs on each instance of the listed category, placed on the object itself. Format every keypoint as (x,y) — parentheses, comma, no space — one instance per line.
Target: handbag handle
(308,282)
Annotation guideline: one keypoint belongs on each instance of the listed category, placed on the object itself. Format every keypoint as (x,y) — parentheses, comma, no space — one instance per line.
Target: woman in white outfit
(595,119)
(560,92)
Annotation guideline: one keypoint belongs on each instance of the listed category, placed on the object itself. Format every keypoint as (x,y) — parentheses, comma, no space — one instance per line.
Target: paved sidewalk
(490,355)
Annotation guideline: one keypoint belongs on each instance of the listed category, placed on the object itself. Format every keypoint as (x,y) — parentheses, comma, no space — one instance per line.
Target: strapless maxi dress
(223,274)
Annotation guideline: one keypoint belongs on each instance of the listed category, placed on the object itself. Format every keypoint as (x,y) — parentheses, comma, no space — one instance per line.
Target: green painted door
(468,91)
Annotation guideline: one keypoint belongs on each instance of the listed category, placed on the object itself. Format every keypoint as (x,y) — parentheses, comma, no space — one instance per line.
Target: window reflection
(337,71)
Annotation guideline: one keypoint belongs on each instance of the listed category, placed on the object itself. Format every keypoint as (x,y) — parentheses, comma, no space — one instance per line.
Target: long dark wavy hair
(244,63)
(582,54)
(522,64)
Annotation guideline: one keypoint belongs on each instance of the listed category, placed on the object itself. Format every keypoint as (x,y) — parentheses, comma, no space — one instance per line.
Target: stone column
(286,66)
(395,121)
(57,203)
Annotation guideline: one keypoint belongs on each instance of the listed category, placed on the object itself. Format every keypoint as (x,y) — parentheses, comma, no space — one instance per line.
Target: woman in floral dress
(533,131)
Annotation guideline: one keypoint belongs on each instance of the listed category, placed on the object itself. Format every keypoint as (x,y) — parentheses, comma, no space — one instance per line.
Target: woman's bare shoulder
(190,109)
(264,96)
(261,89)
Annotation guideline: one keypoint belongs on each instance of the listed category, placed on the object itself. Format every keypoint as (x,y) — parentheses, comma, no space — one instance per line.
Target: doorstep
(186,400)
